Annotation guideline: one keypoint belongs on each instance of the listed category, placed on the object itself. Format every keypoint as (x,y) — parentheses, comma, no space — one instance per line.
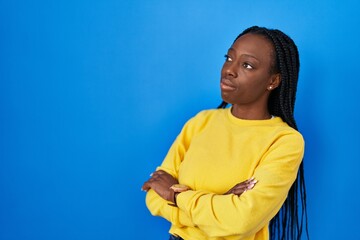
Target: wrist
(175,195)
(176,189)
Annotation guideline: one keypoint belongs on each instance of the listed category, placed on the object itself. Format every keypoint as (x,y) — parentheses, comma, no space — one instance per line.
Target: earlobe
(275,81)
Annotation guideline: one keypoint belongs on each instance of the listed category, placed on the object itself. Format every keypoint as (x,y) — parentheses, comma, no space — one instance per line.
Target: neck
(250,114)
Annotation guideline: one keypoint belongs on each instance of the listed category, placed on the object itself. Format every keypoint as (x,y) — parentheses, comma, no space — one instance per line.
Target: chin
(226,99)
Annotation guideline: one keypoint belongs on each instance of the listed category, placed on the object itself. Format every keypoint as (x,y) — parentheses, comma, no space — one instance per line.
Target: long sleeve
(215,151)
(160,207)
(157,205)
(224,215)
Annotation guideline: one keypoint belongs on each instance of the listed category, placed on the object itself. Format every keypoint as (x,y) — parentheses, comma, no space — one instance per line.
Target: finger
(248,180)
(145,187)
(239,188)
(159,172)
(156,174)
(239,191)
(242,187)
(254,180)
(250,186)
(251,180)
(246,184)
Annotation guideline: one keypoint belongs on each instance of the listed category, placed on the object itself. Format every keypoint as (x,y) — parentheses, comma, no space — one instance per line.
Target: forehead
(255,45)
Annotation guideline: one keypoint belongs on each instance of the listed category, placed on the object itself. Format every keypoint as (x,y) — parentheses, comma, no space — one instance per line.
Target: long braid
(286,224)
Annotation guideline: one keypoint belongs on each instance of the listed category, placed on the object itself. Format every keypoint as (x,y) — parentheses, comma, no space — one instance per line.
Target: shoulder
(289,140)
(288,132)
(284,138)
(204,119)
(208,114)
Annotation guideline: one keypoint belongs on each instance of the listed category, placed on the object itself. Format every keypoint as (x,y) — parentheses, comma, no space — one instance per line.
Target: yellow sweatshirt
(214,152)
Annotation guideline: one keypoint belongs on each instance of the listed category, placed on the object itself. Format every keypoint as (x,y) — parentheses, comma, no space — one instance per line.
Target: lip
(226,85)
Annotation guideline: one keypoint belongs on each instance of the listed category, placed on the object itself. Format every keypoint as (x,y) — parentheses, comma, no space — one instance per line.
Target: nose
(230,70)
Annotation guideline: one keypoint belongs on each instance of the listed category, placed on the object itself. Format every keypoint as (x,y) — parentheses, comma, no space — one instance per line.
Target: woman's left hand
(242,187)
(160,182)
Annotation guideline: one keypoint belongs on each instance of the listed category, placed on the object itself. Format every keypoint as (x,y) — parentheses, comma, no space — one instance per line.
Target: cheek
(259,80)
(252,87)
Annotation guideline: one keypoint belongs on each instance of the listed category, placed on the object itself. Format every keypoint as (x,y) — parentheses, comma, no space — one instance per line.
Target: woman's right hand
(242,187)
(161,181)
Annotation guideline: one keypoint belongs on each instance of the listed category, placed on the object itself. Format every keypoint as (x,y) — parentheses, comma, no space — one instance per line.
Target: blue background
(92,94)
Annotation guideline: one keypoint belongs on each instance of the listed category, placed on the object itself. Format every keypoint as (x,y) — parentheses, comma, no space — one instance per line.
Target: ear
(275,81)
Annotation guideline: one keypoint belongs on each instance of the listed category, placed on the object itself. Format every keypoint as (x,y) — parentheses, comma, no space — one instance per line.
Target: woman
(231,170)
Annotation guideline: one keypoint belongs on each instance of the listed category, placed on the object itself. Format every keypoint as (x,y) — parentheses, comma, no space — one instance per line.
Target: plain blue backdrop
(92,94)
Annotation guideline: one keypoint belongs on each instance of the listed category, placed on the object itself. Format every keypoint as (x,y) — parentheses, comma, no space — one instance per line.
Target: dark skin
(246,83)
(246,78)
(160,181)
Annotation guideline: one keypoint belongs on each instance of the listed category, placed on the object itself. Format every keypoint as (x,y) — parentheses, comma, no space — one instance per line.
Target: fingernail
(250,186)
(151,174)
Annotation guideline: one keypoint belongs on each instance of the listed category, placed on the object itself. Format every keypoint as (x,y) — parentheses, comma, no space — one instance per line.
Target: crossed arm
(231,212)
(161,182)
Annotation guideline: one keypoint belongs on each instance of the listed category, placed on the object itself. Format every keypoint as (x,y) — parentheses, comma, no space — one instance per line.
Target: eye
(247,66)
(228,58)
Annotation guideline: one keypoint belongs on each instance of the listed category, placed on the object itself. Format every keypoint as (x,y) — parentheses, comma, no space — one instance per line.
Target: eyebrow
(245,54)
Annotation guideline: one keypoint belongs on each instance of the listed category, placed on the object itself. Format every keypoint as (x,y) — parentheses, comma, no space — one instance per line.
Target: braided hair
(287,224)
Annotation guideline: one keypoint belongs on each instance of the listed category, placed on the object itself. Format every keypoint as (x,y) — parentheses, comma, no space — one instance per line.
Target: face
(246,78)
